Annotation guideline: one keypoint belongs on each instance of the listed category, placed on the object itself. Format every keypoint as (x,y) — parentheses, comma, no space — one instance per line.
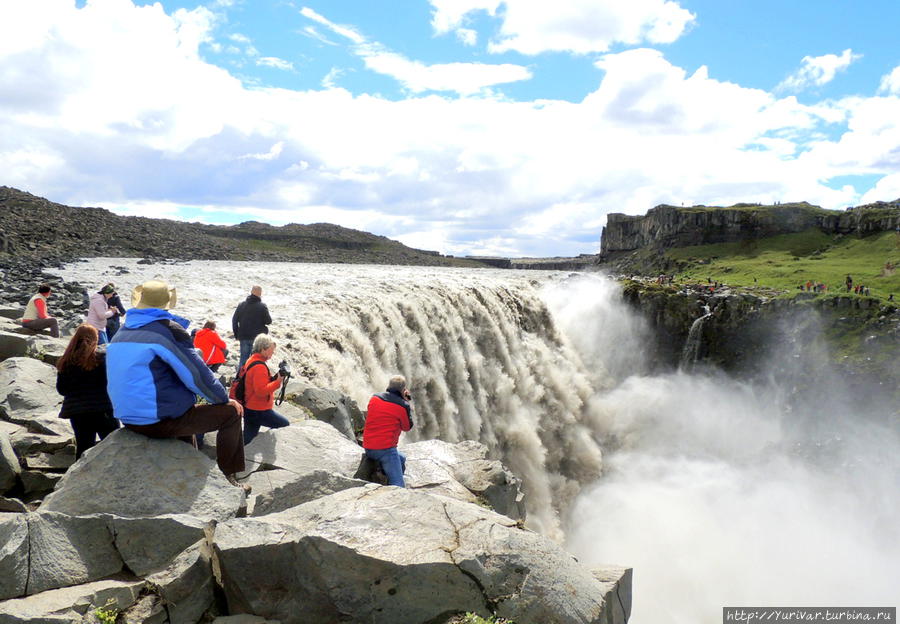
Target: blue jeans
(254,419)
(246,349)
(393,463)
(101,337)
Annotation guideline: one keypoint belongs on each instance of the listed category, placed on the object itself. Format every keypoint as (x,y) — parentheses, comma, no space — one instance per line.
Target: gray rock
(616,586)
(27,385)
(67,550)
(143,477)
(14,313)
(12,345)
(298,489)
(396,555)
(148,609)
(148,545)
(9,465)
(186,586)
(338,410)
(12,505)
(243,619)
(13,556)
(465,462)
(44,423)
(38,483)
(59,460)
(46,348)
(25,442)
(70,604)
(303,448)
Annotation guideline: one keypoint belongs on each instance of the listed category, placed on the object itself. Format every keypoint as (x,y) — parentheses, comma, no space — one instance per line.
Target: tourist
(155,374)
(81,380)
(213,349)
(251,318)
(388,414)
(113,322)
(259,390)
(36,316)
(849,283)
(99,311)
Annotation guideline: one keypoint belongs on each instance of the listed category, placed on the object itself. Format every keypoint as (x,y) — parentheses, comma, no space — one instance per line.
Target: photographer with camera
(260,387)
(388,414)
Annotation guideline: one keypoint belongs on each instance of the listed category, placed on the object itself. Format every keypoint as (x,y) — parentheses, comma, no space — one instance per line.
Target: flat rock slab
(70,604)
(302,448)
(298,489)
(133,476)
(385,555)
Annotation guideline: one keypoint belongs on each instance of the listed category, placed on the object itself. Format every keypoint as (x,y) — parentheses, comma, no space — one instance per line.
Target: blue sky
(507,127)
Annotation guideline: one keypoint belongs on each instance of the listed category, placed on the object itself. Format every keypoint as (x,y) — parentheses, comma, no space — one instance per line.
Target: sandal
(233,481)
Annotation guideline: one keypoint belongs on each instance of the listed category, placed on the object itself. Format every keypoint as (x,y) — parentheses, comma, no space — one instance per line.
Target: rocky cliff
(671,226)
(35,228)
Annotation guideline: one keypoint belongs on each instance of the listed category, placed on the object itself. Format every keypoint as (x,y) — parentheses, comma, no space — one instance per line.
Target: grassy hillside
(786,261)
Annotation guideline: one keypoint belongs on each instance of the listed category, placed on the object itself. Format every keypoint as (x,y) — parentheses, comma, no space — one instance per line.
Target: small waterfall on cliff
(694,340)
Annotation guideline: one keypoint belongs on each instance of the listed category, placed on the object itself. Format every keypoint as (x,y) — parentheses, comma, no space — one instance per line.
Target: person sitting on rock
(259,390)
(81,380)
(155,374)
(36,316)
(388,414)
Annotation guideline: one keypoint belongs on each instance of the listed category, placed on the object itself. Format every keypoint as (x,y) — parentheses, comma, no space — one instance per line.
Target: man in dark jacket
(250,319)
(388,414)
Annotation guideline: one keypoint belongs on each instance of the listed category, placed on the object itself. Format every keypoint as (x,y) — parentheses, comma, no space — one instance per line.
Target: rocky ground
(149,531)
(38,231)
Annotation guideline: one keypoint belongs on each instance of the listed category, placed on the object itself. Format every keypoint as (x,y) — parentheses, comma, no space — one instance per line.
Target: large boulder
(65,550)
(442,467)
(10,469)
(46,348)
(282,490)
(71,604)
(303,448)
(12,345)
(149,545)
(131,475)
(27,386)
(338,410)
(186,584)
(384,554)
(13,555)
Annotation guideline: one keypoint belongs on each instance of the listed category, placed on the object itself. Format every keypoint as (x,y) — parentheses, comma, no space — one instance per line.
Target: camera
(284,369)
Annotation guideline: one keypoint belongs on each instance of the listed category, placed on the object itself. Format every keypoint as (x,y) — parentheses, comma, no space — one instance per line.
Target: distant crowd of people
(152,371)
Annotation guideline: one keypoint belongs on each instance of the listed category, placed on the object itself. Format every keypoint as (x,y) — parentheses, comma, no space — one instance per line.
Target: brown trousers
(39,324)
(222,418)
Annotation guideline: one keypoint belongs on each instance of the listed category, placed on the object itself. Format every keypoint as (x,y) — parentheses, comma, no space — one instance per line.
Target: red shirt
(211,345)
(259,390)
(386,417)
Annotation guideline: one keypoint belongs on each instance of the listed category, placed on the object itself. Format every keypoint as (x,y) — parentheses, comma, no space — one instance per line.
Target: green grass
(786,261)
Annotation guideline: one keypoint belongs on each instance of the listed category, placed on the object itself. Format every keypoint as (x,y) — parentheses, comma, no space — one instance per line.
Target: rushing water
(718,491)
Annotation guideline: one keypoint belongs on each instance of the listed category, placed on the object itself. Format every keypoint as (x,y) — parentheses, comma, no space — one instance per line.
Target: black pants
(89,427)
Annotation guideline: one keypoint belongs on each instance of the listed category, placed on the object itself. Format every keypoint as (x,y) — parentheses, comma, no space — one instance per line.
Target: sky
(484,127)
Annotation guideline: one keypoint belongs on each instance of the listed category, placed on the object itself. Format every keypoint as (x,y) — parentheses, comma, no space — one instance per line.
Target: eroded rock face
(133,476)
(338,410)
(27,386)
(388,550)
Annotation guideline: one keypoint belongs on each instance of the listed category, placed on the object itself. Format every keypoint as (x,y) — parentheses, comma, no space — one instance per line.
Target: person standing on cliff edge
(251,318)
(388,414)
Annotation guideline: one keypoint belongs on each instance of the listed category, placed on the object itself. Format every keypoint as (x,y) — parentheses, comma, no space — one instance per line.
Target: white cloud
(277,63)
(890,83)
(119,91)
(818,70)
(886,189)
(579,26)
(463,78)
(467,36)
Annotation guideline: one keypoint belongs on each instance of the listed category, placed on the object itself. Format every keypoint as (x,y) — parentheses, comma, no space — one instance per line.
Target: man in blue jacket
(154,374)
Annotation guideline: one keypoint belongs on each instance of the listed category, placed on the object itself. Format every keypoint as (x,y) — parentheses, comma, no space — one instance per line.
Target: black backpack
(240,384)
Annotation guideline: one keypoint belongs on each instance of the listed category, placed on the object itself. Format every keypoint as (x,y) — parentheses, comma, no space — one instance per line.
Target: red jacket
(211,345)
(388,414)
(259,388)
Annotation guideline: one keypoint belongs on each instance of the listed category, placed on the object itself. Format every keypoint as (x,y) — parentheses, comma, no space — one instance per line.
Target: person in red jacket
(388,414)
(259,390)
(212,347)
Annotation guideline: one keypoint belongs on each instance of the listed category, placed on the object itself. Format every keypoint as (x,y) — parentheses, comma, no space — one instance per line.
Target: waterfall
(694,340)
(480,349)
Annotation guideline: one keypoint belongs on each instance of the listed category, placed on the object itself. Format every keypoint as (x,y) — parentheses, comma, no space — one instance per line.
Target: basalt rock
(388,551)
